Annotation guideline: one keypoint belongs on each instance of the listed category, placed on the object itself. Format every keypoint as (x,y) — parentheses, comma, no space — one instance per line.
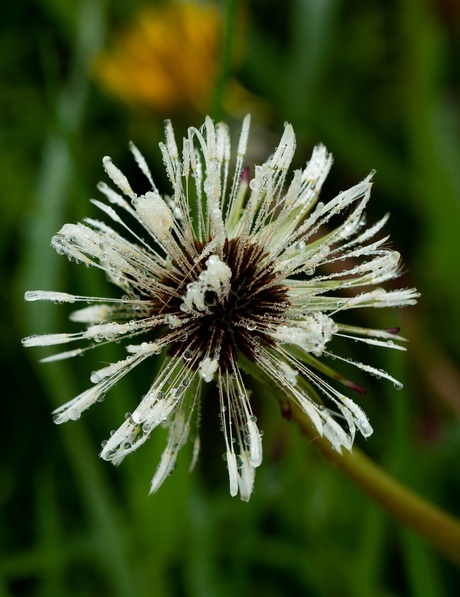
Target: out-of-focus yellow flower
(167,60)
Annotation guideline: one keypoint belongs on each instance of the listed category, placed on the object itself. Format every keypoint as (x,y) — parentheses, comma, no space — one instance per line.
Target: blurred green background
(378,83)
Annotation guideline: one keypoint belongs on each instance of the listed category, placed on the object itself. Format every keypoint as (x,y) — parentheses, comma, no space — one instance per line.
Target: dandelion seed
(244,280)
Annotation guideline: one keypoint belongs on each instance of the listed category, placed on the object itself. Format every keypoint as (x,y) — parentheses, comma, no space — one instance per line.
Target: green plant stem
(437,527)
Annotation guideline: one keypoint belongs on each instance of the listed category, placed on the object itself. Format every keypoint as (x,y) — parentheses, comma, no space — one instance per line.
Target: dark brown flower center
(236,323)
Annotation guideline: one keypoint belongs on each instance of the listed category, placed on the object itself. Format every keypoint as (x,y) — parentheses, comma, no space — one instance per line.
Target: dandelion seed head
(256,280)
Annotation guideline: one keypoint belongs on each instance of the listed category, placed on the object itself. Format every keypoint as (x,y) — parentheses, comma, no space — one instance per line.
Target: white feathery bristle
(164,469)
(46,340)
(92,314)
(49,295)
(232,473)
(360,418)
(246,478)
(71,411)
(336,435)
(207,368)
(68,354)
(141,162)
(284,153)
(118,177)
(255,444)
(312,334)
(314,174)
(154,214)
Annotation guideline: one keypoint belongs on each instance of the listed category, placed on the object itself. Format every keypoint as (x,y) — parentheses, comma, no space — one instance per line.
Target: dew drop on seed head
(187,355)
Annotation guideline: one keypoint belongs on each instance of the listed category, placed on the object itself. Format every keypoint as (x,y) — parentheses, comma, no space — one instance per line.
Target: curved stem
(436,526)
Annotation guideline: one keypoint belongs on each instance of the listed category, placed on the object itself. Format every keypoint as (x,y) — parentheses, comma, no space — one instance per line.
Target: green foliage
(377,83)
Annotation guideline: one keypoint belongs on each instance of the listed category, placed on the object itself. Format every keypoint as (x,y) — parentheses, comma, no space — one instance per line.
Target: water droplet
(187,355)
(74,414)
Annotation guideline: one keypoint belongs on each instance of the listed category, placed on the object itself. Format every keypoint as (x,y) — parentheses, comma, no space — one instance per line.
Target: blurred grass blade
(370,558)
(423,573)
(312,26)
(230,9)
(42,270)
(435,177)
